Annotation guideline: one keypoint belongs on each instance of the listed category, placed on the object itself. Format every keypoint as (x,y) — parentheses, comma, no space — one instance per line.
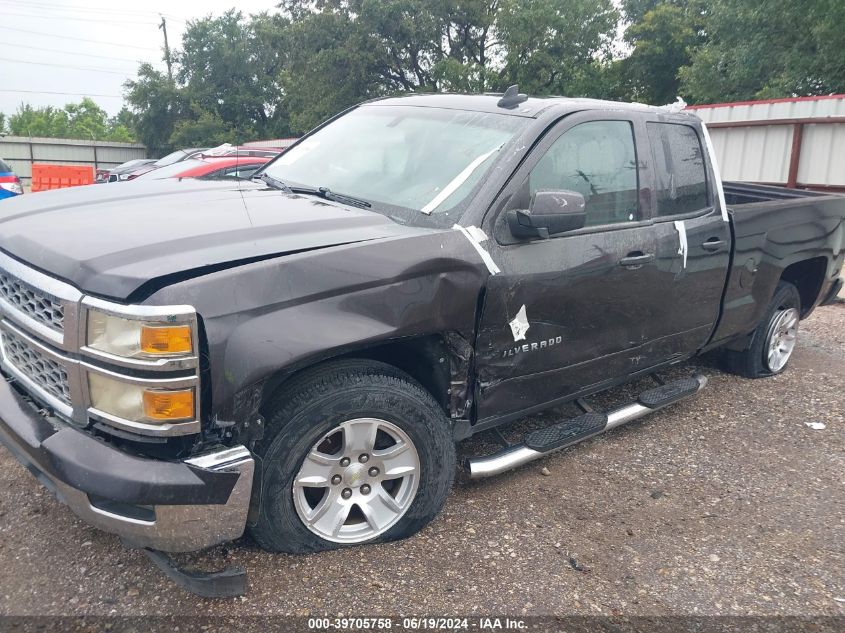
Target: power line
(78,39)
(67,52)
(61,17)
(69,94)
(73,8)
(86,9)
(86,68)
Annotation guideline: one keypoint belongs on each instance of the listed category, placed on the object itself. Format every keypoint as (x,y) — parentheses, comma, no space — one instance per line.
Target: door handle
(635,260)
(714,244)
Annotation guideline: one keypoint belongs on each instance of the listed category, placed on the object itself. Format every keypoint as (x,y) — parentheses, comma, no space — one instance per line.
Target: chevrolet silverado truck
(298,355)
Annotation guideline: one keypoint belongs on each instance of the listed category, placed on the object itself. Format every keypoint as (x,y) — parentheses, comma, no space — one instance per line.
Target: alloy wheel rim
(782,338)
(357,481)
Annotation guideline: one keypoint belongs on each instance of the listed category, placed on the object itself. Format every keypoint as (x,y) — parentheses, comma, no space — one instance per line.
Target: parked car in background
(210,168)
(267,152)
(10,184)
(241,150)
(173,157)
(116,174)
(181,155)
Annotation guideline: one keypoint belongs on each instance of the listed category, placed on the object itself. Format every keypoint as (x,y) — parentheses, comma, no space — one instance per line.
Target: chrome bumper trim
(175,528)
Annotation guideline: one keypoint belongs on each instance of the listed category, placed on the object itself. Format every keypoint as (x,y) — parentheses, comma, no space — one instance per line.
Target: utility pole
(163,27)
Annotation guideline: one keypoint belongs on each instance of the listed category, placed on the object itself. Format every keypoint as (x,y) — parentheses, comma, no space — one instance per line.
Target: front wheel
(774,339)
(357,452)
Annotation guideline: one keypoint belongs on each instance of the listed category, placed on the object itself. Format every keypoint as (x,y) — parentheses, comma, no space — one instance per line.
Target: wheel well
(426,359)
(808,276)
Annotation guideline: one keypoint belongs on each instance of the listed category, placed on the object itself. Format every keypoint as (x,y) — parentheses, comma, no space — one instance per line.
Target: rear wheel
(357,452)
(774,339)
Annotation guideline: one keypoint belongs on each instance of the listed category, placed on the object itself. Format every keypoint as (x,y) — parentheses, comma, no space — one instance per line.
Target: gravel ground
(726,504)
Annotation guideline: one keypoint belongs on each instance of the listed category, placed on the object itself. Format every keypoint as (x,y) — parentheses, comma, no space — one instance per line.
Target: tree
(663,37)
(226,85)
(84,120)
(157,105)
(331,64)
(772,49)
(239,77)
(47,121)
(229,67)
(122,126)
(634,10)
(203,129)
(345,51)
(554,47)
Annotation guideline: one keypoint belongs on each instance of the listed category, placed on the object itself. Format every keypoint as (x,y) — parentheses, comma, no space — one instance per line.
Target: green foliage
(84,120)
(775,48)
(228,69)
(157,105)
(203,128)
(226,85)
(330,66)
(663,39)
(344,51)
(240,77)
(553,47)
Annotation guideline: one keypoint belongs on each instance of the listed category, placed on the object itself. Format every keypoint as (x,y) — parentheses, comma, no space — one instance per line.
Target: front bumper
(170,506)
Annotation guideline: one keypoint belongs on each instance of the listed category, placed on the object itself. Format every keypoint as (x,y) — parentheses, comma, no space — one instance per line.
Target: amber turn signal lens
(169,405)
(166,340)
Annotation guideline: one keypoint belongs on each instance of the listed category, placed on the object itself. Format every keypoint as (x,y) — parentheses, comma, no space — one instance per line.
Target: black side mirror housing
(550,213)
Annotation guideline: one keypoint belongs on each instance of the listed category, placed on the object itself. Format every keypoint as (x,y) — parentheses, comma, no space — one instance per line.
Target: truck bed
(740,193)
(778,233)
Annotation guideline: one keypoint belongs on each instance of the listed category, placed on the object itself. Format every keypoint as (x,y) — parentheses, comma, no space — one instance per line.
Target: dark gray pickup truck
(298,355)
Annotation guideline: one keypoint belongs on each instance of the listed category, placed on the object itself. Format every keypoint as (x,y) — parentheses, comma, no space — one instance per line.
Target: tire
(313,423)
(755,361)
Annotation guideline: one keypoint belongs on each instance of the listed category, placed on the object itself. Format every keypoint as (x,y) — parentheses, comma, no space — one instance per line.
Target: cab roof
(531,107)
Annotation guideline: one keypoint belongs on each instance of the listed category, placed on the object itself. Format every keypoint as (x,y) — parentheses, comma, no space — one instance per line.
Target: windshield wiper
(322,192)
(273,182)
(328,194)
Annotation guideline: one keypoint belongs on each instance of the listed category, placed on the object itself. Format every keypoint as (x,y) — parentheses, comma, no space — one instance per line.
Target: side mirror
(550,213)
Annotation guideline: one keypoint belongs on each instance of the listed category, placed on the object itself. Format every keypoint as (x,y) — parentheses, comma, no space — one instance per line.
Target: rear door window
(680,172)
(4,167)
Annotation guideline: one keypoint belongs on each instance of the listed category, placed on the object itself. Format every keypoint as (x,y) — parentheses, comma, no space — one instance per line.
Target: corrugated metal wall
(749,149)
(22,151)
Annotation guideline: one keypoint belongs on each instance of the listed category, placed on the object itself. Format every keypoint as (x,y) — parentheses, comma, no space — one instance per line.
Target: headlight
(138,403)
(138,339)
(142,367)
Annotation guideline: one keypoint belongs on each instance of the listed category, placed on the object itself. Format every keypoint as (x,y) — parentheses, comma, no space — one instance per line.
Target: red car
(210,167)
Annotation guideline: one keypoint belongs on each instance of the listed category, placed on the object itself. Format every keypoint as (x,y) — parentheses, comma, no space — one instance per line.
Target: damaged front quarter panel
(266,320)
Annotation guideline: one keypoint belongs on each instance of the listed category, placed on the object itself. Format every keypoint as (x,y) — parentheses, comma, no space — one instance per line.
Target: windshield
(129,165)
(170,158)
(416,162)
(169,171)
(179,154)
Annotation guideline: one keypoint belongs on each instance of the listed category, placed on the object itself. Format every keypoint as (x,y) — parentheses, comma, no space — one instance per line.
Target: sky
(88,47)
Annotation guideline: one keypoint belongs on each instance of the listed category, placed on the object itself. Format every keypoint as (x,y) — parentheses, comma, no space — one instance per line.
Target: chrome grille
(31,302)
(41,370)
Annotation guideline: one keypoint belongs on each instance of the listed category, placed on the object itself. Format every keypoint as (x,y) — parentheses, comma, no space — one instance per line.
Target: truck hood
(109,240)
